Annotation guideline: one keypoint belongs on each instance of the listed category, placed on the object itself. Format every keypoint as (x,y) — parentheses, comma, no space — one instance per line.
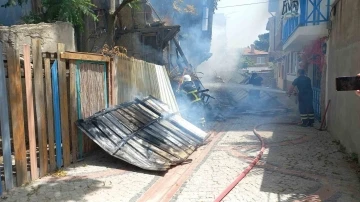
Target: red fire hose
(251,166)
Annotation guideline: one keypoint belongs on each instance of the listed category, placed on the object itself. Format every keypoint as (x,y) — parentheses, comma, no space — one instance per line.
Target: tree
(72,11)
(262,43)
(113,13)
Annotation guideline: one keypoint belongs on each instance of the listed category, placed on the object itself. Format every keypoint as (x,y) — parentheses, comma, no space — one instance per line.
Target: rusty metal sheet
(144,133)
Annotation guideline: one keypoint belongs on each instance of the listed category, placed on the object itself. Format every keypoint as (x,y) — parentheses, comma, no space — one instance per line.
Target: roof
(258,69)
(247,51)
(144,133)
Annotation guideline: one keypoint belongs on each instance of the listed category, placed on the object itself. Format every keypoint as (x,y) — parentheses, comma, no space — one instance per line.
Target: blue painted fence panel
(5,127)
(57,120)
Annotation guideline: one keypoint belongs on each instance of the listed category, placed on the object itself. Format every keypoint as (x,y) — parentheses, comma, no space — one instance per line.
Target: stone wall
(343,60)
(49,33)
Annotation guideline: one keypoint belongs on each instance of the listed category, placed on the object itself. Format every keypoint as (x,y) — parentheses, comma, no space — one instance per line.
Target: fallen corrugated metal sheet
(138,78)
(144,133)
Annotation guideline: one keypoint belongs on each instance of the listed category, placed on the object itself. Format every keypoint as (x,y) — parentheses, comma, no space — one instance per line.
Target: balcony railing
(312,12)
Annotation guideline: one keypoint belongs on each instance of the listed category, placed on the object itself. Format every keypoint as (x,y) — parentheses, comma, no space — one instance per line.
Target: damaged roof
(144,133)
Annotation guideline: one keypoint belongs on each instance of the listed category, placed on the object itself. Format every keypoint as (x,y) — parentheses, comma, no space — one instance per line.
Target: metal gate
(317,92)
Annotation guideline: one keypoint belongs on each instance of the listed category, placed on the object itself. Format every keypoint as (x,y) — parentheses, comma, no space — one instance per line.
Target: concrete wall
(50,33)
(343,60)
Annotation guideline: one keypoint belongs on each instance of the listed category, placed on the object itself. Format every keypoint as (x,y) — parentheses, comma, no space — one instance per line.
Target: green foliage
(63,10)
(262,43)
(246,62)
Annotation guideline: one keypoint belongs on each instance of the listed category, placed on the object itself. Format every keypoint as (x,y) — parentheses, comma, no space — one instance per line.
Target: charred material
(144,133)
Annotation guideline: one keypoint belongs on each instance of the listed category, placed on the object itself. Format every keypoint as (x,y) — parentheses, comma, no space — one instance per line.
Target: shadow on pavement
(55,190)
(102,159)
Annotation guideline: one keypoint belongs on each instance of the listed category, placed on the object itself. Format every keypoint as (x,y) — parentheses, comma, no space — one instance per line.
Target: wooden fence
(41,98)
(40,102)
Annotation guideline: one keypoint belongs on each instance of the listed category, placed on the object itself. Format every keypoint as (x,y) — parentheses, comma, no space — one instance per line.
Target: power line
(249,4)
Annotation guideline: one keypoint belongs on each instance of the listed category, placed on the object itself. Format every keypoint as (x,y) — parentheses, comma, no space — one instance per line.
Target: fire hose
(252,164)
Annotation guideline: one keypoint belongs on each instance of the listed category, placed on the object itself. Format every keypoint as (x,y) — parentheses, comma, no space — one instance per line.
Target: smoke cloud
(225,58)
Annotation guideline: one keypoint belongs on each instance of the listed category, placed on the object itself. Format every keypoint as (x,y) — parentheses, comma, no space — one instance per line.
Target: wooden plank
(182,53)
(80,136)
(82,56)
(5,126)
(39,105)
(114,81)
(109,82)
(64,107)
(73,110)
(57,117)
(30,113)
(50,114)
(17,115)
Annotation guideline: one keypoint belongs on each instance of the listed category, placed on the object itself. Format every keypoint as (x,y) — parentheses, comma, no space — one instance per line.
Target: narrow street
(179,101)
(298,164)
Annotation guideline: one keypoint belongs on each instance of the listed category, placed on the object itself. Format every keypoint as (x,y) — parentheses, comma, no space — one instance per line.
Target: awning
(144,133)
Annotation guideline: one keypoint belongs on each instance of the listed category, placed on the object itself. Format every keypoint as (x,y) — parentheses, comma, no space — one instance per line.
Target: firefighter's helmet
(187,78)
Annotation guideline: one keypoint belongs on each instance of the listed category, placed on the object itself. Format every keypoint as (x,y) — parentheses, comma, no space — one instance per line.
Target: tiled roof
(247,51)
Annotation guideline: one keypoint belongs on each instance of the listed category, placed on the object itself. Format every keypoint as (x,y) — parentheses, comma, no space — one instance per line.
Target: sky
(244,23)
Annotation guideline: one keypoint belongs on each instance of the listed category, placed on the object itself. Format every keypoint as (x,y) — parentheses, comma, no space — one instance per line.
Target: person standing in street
(256,81)
(195,110)
(305,97)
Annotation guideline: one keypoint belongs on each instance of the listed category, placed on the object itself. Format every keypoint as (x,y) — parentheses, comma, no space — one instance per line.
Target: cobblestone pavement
(99,178)
(298,164)
(301,164)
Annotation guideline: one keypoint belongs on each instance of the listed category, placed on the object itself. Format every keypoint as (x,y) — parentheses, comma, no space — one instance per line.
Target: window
(205,20)
(294,62)
(288,63)
(260,60)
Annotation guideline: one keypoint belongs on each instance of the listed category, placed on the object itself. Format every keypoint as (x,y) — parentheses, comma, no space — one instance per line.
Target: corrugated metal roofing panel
(139,78)
(144,133)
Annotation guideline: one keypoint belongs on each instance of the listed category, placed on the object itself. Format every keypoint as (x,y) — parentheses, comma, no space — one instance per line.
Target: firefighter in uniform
(305,97)
(196,108)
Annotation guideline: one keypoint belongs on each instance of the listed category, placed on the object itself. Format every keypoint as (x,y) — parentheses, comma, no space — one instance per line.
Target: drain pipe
(251,166)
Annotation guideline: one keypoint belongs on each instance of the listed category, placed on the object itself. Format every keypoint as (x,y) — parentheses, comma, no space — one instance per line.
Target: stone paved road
(298,164)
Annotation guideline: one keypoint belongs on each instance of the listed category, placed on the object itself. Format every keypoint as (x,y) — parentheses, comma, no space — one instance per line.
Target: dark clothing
(303,83)
(195,112)
(255,81)
(190,89)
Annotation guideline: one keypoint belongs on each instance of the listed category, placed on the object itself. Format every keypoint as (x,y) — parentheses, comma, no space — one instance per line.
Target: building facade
(258,60)
(321,36)
(343,51)
(295,29)
(196,21)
